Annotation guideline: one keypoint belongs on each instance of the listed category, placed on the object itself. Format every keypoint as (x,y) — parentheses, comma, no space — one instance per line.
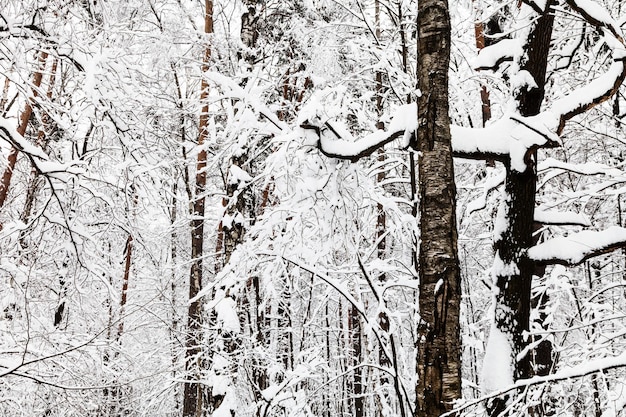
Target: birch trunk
(439,351)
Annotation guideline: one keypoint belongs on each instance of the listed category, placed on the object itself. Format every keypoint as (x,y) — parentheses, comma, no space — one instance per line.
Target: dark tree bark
(439,360)
(514,283)
(193,393)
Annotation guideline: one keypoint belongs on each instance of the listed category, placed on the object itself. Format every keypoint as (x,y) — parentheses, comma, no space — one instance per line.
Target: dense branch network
(511,139)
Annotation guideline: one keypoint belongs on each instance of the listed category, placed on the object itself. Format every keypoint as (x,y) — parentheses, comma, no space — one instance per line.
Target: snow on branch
(578,247)
(605,86)
(511,138)
(588,168)
(560,218)
(335,141)
(589,95)
(578,371)
(598,16)
(492,56)
(38,158)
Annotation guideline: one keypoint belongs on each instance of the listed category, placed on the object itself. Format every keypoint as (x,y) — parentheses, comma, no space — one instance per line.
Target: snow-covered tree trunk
(509,356)
(513,271)
(439,346)
(194,392)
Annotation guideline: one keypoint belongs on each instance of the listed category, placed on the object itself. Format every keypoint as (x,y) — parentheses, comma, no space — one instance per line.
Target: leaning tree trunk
(193,390)
(439,352)
(5,182)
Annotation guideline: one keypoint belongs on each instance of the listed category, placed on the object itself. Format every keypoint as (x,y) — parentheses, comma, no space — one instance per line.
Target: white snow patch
(498,363)
(438,286)
(523,79)
(226,311)
(505,49)
(238,176)
(500,268)
(501,222)
(560,217)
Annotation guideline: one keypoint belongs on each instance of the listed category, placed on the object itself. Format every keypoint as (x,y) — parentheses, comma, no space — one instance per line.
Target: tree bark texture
(514,282)
(193,391)
(439,360)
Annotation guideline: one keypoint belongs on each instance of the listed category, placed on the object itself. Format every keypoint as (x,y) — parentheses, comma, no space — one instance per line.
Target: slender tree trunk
(193,391)
(42,140)
(5,94)
(355,332)
(479,33)
(173,330)
(439,351)
(5,182)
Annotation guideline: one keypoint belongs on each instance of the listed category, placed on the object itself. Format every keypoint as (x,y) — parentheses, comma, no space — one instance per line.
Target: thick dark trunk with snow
(438,362)
(514,277)
(513,270)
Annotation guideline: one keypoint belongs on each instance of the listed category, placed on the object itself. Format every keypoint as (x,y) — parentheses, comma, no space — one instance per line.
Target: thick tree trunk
(513,271)
(439,352)
(193,394)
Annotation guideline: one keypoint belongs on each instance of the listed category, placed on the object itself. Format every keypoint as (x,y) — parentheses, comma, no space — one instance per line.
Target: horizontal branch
(344,149)
(578,247)
(587,168)
(512,138)
(335,141)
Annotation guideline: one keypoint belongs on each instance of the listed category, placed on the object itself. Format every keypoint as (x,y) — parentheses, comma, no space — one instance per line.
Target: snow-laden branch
(598,16)
(335,141)
(589,95)
(512,138)
(560,218)
(38,158)
(588,168)
(603,87)
(492,56)
(578,371)
(578,247)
